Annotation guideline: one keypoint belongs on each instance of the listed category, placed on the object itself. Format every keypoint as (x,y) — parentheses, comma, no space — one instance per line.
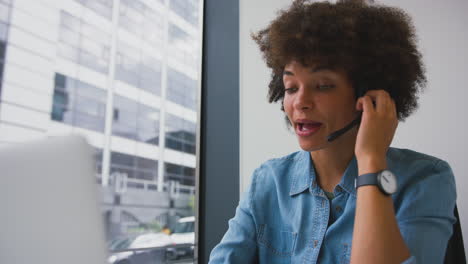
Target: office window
(124,117)
(150,74)
(181,89)
(182,46)
(127,68)
(137,69)
(83,43)
(141,20)
(4,12)
(148,124)
(79,104)
(179,173)
(180,134)
(135,168)
(187,9)
(101,7)
(135,121)
(70,86)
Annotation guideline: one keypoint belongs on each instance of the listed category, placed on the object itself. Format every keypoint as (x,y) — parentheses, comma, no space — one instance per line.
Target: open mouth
(307,128)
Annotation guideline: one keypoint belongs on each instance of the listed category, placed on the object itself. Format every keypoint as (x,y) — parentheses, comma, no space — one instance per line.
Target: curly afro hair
(374,44)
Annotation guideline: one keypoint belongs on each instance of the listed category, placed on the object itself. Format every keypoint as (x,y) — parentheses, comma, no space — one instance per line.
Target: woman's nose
(303,100)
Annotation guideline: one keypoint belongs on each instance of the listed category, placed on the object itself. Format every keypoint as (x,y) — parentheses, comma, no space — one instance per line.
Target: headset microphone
(345,129)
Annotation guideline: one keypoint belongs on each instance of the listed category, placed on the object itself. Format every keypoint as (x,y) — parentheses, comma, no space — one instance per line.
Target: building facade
(123,73)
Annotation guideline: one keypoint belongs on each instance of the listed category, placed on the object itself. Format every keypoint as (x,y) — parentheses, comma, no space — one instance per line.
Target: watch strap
(367,179)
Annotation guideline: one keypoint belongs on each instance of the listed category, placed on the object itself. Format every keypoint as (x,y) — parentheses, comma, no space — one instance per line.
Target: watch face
(388,181)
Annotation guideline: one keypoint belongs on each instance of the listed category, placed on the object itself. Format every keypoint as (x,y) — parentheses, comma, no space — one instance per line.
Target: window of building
(70,86)
(179,173)
(101,7)
(137,69)
(187,9)
(134,167)
(141,20)
(135,121)
(180,134)
(181,89)
(83,43)
(182,46)
(79,104)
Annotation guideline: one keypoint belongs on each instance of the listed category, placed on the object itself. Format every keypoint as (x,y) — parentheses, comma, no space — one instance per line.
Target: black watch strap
(367,179)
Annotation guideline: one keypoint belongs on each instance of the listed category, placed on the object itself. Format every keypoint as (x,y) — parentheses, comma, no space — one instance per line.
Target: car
(144,248)
(183,239)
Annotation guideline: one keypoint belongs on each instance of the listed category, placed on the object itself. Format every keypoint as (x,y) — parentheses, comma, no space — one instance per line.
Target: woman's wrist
(371,165)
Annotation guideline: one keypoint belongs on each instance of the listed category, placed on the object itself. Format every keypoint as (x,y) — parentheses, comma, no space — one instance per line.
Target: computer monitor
(49,204)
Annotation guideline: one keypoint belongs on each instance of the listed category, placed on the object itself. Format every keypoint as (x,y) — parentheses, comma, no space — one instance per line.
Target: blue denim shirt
(285,216)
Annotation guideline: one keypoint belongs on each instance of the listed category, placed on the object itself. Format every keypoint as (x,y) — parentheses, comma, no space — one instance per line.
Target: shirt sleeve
(426,215)
(239,244)
(411,260)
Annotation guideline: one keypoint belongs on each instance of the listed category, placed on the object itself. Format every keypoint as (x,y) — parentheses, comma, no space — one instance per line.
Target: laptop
(49,204)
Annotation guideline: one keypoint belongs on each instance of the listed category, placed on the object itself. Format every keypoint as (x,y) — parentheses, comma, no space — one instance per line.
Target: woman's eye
(290,90)
(325,87)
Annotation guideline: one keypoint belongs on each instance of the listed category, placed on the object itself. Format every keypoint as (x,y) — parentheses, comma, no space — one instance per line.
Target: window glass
(138,68)
(183,175)
(145,169)
(4,12)
(83,43)
(187,9)
(181,89)
(135,120)
(180,134)
(182,45)
(101,7)
(78,103)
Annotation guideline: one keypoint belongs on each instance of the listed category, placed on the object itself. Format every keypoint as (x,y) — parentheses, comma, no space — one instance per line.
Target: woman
(346,73)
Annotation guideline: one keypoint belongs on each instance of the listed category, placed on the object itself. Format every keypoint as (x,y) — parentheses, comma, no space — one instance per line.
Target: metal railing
(121,183)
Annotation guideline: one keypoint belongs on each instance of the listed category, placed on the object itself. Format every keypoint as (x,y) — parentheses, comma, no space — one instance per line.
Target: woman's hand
(378,126)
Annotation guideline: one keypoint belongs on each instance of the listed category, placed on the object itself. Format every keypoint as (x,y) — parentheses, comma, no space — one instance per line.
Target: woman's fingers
(367,105)
(382,102)
(380,97)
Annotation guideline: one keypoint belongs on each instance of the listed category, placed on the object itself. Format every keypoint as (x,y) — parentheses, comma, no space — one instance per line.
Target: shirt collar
(303,173)
(349,177)
(304,176)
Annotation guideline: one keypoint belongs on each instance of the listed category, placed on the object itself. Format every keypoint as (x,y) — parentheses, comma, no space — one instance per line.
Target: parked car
(142,249)
(183,239)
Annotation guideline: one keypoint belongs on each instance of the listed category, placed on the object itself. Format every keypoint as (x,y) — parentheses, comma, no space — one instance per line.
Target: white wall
(438,128)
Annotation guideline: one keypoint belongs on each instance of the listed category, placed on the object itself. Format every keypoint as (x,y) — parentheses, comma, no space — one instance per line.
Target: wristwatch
(385,180)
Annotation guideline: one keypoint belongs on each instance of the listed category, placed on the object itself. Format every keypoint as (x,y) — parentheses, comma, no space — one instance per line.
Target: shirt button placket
(324,223)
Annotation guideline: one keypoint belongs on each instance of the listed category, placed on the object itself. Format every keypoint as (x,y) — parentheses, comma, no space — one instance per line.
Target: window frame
(218,140)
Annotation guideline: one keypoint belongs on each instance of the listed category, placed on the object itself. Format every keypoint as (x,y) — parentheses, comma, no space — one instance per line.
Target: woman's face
(318,101)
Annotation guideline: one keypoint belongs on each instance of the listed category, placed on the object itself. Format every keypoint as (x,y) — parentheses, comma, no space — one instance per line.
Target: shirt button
(315,243)
(338,188)
(338,208)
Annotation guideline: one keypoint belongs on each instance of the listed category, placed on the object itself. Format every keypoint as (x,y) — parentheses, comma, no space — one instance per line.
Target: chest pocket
(280,243)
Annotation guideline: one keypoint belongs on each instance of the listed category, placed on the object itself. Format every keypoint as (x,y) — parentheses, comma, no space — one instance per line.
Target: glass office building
(125,74)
